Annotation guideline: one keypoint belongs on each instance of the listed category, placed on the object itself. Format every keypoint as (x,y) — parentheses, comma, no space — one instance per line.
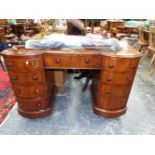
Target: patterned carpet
(7,98)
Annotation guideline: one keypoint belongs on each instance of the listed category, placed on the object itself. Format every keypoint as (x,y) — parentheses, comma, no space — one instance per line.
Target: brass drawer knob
(32,63)
(129,78)
(111,66)
(107,92)
(20,105)
(37,90)
(10,63)
(87,61)
(39,105)
(26,62)
(17,91)
(133,66)
(109,79)
(14,78)
(58,60)
(35,78)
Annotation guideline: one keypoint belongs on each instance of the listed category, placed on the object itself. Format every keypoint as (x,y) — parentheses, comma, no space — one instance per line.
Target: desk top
(128,52)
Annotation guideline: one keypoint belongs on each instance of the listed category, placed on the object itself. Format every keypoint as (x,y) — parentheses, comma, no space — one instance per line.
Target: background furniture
(151,48)
(112,24)
(2,34)
(143,39)
(32,75)
(4,24)
(124,31)
(75,27)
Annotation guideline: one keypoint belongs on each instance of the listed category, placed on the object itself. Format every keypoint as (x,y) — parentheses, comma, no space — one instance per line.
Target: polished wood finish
(114,74)
(31,85)
(114,24)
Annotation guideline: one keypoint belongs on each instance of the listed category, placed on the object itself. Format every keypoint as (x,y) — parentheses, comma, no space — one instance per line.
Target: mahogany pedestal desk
(32,78)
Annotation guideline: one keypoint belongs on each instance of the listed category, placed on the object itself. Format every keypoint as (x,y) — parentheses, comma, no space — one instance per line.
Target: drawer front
(33,104)
(88,61)
(112,103)
(118,79)
(23,64)
(31,77)
(29,91)
(120,65)
(56,61)
(108,91)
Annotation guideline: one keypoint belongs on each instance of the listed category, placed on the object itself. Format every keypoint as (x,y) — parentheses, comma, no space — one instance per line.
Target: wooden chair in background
(142,41)
(151,48)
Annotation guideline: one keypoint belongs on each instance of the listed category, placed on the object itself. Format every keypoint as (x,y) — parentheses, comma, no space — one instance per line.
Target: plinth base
(35,114)
(109,113)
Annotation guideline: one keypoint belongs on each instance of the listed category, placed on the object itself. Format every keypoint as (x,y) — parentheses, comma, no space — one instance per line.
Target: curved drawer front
(56,60)
(23,64)
(120,65)
(112,92)
(88,61)
(112,103)
(29,91)
(119,79)
(33,104)
(31,77)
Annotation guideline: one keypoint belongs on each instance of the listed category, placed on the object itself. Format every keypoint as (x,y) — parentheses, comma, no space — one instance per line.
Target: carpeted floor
(7,98)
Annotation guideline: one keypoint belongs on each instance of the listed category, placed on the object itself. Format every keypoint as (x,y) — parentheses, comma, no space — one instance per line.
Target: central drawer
(86,61)
(56,60)
(29,91)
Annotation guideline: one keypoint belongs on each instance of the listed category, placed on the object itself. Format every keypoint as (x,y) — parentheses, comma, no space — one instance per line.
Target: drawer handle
(111,66)
(109,79)
(107,92)
(39,105)
(35,78)
(20,105)
(87,61)
(133,66)
(17,91)
(37,90)
(10,63)
(58,60)
(27,62)
(32,63)
(125,92)
(14,78)
(129,78)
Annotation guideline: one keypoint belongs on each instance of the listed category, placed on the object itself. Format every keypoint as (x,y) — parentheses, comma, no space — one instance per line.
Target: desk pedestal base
(109,113)
(37,114)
